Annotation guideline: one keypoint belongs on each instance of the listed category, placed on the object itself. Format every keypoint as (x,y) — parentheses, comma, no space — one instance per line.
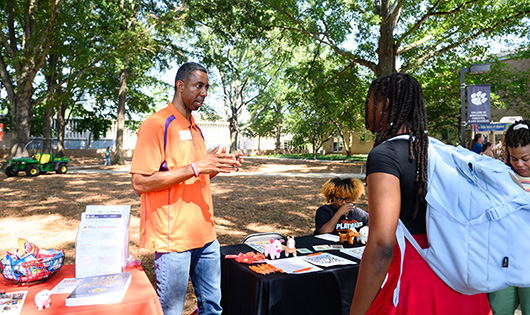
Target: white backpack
(478,222)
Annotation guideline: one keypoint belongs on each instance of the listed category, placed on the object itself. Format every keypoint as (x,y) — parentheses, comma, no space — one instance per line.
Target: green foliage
(327,157)
(94,122)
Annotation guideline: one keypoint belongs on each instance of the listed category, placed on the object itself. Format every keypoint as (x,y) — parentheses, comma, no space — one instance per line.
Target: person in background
(487,149)
(107,156)
(171,170)
(476,144)
(517,151)
(397,184)
(499,150)
(340,213)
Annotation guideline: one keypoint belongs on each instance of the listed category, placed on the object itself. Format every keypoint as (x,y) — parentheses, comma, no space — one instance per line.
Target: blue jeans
(107,160)
(172,271)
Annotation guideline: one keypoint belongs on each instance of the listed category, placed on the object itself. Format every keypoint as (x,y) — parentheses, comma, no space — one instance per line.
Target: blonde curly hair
(352,188)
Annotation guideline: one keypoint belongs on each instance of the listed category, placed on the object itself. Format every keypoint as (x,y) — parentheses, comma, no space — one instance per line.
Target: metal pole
(463,117)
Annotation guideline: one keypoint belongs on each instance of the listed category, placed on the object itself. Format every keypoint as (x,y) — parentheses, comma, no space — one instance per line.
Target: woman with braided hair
(517,151)
(397,184)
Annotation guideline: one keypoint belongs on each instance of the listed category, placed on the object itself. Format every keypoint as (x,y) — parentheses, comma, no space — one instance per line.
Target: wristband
(194,169)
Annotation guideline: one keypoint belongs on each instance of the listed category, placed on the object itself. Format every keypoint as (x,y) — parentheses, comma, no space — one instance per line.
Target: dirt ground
(46,209)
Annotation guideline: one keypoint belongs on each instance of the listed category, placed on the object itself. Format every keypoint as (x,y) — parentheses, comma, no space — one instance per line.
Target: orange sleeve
(149,151)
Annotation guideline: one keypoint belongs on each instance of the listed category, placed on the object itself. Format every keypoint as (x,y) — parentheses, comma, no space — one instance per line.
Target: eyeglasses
(342,199)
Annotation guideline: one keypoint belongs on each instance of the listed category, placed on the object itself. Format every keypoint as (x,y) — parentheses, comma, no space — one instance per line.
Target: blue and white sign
(493,127)
(478,104)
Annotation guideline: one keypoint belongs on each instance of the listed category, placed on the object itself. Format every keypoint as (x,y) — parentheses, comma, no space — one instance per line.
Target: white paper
(327,260)
(293,265)
(329,237)
(258,246)
(356,252)
(11,303)
(67,285)
(102,241)
(125,211)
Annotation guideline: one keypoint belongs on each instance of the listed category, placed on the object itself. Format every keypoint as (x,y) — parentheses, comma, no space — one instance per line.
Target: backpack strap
(401,233)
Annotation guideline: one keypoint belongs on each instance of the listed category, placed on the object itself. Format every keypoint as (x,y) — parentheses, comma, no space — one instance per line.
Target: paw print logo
(479,98)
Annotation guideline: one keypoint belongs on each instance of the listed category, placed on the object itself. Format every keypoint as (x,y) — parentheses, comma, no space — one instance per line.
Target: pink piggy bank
(273,249)
(42,299)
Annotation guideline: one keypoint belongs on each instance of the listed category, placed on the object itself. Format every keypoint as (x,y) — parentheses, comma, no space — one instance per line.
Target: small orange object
(264,269)
(248,258)
(302,270)
(350,236)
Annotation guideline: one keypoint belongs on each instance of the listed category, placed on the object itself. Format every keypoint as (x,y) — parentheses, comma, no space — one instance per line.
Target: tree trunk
(47,127)
(278,134)
(89,140)
(233,140)
(347,140)
(59,125)
(234,132)
(51,83)
(119,156)
(386,50)
(22,118)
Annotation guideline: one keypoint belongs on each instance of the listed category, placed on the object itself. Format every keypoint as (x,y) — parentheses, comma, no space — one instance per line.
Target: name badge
(185,135)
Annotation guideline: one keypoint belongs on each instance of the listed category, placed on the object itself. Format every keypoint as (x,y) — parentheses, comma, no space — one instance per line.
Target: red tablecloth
(140,298)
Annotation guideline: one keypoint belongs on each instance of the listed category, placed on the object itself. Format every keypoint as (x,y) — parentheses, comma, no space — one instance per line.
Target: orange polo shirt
(179,218)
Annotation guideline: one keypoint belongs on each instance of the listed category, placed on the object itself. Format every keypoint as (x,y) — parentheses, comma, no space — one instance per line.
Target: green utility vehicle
(37,164)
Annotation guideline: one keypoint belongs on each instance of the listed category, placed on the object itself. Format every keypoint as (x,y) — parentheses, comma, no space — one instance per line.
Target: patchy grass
(46,209)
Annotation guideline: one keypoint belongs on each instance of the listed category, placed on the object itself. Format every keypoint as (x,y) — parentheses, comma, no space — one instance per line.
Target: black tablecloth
(245,292)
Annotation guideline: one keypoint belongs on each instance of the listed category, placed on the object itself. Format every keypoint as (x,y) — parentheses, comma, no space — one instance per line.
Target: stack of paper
(102,244)
(356,252)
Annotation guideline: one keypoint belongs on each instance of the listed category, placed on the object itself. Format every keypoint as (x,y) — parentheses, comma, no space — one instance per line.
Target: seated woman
(340,214)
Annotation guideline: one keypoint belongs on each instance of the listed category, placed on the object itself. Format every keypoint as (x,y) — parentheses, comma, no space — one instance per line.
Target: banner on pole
(478,104)
(1,132)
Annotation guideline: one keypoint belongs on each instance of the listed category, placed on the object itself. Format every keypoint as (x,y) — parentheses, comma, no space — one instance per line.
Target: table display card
(328,237)
(303,251)
(67,285)
(102,241)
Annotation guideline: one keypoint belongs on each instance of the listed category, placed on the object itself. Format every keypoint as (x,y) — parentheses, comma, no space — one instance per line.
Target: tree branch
(337,49)
(416,26)
(82,71)
(433,54)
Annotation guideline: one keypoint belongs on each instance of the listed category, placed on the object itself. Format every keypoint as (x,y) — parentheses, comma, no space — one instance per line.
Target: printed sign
(478,104)
(493,127)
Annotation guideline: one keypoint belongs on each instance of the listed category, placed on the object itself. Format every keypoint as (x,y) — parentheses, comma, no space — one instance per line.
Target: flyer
(11,303)
(102,241)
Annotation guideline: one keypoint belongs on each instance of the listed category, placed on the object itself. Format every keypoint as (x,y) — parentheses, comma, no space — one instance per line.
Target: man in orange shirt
(171,170)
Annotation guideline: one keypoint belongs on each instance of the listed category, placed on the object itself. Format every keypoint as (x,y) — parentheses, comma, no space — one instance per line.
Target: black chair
(264,236)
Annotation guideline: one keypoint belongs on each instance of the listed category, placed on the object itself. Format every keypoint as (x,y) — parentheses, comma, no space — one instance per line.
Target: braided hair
(517,135)
(404,106)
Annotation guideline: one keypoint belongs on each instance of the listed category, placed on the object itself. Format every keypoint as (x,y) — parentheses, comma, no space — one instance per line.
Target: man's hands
(218,161)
